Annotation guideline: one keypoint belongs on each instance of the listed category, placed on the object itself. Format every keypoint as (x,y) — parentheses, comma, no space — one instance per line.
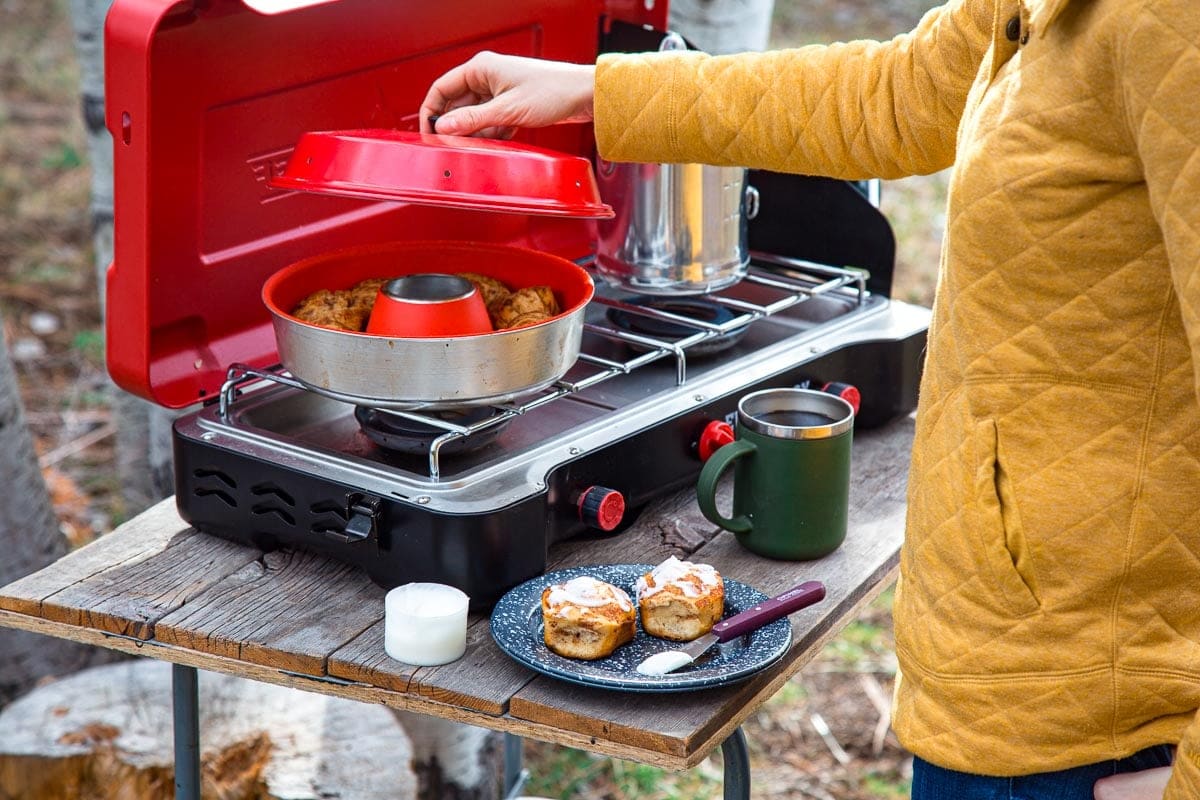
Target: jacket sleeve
(854,110)
(1159,63)
(1185,776)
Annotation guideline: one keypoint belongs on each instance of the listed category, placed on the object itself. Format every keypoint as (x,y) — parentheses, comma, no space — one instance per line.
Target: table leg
(186,703)
(737,766)
(515,775)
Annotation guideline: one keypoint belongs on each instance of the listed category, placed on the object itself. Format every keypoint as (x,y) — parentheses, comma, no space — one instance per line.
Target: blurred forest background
(824,736)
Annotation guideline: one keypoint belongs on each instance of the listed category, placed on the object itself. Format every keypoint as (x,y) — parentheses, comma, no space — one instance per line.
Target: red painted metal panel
(206,100)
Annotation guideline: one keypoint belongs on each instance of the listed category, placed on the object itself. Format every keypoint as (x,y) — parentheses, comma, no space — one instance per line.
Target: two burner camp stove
(473,497)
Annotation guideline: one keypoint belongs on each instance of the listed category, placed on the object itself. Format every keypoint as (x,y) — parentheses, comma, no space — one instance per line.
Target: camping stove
(277,463)
(206,100)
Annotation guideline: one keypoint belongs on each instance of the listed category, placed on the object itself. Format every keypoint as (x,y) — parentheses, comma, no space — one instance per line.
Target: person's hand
(1148,784)
(493,95)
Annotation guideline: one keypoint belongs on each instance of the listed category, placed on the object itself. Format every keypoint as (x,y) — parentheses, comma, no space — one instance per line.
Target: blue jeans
(931,782)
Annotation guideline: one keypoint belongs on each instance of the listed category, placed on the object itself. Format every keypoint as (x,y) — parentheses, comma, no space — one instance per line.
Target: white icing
(588,591)
(662,663)
(674,572)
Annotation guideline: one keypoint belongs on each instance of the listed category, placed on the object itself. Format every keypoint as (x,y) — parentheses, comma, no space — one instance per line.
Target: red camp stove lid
(206,100)
(449,171)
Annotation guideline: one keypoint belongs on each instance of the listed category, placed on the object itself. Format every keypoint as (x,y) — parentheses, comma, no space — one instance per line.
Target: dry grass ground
(52,326)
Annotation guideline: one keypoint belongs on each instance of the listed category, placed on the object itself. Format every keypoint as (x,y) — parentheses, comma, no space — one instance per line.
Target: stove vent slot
(336,520)
(273,490)
(262,509)
(203,474)
(213,483)
(217,493)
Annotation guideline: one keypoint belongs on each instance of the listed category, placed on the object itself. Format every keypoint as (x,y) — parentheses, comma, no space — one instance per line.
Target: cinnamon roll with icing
(680,600)
(587,618)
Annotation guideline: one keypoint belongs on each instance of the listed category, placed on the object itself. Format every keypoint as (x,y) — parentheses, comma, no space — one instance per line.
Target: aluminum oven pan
(434,372)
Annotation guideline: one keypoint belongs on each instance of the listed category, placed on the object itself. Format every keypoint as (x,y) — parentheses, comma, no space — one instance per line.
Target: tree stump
(106,734)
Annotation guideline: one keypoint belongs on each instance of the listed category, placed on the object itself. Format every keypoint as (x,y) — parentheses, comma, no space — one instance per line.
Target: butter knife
(751,619)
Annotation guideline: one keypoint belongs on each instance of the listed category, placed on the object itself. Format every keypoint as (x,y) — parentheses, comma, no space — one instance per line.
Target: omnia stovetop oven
(206,101)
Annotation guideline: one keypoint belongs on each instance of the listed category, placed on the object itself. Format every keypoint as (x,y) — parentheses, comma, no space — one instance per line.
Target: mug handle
(706,487)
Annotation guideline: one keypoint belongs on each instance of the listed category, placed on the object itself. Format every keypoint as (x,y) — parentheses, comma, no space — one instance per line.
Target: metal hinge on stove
(362,514)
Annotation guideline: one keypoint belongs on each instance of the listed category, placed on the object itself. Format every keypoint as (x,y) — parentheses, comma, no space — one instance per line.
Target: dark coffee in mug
(796,419)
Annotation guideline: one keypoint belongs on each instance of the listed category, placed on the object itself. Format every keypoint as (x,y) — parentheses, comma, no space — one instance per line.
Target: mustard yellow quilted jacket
(1048,613)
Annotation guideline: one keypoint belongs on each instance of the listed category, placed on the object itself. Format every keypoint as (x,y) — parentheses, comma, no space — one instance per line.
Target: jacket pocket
(994,528)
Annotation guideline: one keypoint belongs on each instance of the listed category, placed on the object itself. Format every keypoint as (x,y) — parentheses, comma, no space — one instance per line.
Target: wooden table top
(156,587)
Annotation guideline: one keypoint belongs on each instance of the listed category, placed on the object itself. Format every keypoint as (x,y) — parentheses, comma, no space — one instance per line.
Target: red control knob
(716,434)
(845,391)
(601,507)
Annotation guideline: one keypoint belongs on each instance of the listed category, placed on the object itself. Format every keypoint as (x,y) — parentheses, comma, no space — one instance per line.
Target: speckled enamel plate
(517,628)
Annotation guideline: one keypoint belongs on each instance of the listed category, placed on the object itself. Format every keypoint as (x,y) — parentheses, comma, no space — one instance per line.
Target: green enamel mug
(791,477)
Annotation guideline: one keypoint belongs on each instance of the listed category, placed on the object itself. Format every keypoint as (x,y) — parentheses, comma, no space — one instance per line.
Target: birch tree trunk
(723,26)
(29,539)
(143,444)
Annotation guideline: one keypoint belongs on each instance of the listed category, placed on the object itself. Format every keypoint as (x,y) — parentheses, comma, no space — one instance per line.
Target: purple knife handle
(768,611)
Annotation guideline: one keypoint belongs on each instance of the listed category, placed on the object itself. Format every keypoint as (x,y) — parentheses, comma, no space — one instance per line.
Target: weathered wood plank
(130,598)
(289,610)
(125,581)
(364,660)
(148,533)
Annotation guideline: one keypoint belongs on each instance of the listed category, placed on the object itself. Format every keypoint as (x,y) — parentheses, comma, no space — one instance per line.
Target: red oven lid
(449,171)
(206,100)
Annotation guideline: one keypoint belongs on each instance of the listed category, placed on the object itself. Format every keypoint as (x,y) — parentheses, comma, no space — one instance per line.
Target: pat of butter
(425,624)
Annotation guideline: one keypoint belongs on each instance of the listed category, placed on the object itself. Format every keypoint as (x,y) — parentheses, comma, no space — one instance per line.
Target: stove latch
(362,515)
